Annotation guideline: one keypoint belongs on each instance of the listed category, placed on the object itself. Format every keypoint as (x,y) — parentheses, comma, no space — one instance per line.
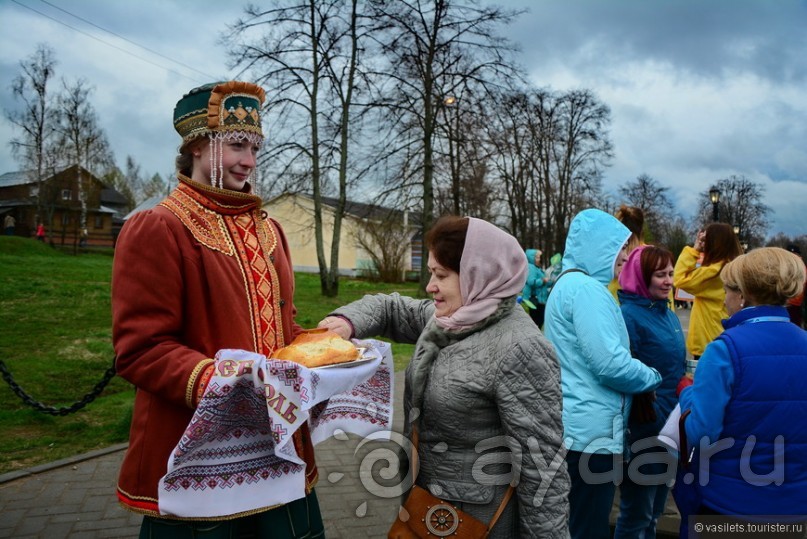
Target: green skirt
(300,519)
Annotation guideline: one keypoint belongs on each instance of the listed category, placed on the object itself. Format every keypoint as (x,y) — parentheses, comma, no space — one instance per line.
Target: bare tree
(134,179)
(430,50)
(780,239)
(514,140)
(578,158)
(307,56)
(741,205)
(386,241)
(676,235)
(461,154)
(550,152)
(81,138)
(652,198)
(35,120)
(116,179)
(462,180)
(155,186)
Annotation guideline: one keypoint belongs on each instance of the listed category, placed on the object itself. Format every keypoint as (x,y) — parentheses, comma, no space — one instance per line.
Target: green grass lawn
(55,338)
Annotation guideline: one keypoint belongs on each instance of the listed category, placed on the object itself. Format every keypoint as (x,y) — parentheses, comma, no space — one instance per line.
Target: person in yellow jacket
(697,271)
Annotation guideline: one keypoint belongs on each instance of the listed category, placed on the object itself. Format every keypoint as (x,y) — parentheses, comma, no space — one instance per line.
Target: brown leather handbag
(424,515)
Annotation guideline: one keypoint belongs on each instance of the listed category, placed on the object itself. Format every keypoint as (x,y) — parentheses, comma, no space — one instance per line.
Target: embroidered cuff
(191,398)
(201,385)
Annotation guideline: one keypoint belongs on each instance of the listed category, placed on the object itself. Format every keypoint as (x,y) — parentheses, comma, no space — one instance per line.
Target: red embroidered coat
(204,270)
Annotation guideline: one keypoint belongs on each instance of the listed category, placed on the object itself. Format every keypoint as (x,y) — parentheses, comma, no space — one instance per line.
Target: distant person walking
(40,232)
(536,289)
(697,271)
(8,224)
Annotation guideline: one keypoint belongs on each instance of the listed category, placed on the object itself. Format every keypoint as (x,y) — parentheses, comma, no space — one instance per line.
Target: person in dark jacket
(657,340)
(750,398)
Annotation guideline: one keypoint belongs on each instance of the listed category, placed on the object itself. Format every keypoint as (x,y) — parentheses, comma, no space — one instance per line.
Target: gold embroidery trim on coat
(268,240)
(255,245)
(192,381)
(206,225)
(152,513)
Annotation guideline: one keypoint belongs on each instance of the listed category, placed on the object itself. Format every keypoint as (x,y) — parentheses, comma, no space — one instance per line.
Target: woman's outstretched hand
(337,324)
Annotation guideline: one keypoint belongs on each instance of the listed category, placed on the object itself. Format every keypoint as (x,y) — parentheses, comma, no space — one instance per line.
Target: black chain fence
(64,410)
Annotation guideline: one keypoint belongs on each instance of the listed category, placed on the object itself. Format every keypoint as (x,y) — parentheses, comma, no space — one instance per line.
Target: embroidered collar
(222,201)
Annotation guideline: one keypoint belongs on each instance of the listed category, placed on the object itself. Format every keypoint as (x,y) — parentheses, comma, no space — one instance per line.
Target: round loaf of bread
(317,348)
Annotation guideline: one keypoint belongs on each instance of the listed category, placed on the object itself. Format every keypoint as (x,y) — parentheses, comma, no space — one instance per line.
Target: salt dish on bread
(318,348)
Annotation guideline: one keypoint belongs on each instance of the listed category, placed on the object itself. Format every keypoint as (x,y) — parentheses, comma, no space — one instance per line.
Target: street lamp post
(714,196)
(738,232)
(454,150)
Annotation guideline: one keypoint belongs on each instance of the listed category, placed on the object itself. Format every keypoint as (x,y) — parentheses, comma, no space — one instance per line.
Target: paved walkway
(75,498)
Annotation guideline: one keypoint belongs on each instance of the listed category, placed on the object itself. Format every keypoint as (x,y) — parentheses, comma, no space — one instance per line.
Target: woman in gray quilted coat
(483,386)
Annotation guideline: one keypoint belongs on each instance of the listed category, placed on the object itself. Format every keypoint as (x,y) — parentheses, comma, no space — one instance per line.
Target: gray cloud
(699,90)
(718,38)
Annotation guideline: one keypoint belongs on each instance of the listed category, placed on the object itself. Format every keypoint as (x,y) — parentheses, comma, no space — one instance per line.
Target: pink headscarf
(492,267)
(631,279)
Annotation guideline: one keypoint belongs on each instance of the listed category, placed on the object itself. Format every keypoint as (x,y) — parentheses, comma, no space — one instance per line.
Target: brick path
(75,497)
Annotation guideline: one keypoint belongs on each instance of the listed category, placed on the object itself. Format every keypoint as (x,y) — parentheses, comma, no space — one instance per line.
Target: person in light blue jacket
(598,373)
(536,289)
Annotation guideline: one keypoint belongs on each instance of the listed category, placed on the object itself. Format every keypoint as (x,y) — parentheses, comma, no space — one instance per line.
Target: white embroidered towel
(237,454)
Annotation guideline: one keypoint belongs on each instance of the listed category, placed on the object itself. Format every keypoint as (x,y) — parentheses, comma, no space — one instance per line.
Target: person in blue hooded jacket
(656,339)
(536,289)
(598,373)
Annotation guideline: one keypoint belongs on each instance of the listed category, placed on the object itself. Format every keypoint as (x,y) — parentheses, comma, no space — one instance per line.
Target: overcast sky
(698,89)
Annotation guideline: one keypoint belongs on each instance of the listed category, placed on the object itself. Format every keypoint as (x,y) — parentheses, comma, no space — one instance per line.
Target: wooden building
(57,202)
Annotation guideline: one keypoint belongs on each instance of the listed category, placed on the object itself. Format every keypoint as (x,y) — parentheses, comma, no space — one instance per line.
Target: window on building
(417,252)
(99,221)
(67,194)
(66,219)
